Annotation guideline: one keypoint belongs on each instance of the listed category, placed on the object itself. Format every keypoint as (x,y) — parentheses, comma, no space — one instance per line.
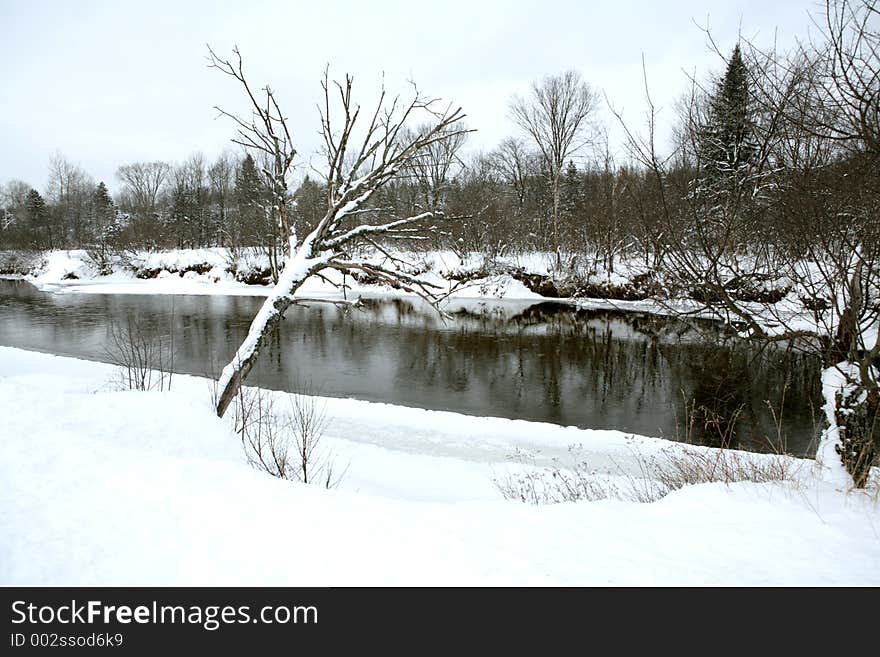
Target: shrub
(144,357)
(285,442)
(673,469)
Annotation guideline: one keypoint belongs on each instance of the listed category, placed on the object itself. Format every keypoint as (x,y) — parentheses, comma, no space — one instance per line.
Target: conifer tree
(103,209)
(105,224)
(181,215)
(250,198)
(38,220)
(311,204)
(726,140)
(571,193)
(258,223)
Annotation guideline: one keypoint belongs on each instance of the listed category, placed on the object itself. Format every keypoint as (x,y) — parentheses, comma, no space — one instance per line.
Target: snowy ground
(133,488)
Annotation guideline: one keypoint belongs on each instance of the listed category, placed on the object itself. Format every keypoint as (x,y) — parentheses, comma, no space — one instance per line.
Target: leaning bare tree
(364,152)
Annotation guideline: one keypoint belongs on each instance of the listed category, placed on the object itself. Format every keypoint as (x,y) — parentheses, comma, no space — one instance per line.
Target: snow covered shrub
(649,480)
(579,482)
(145,358)
(249,265)
(20,263)
(101,259)
(686,467)
(553,484)
(286,442)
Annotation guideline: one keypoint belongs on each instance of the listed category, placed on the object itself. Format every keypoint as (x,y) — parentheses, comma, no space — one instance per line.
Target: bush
(675,468)
(20,263)
(287,442)
(145,358)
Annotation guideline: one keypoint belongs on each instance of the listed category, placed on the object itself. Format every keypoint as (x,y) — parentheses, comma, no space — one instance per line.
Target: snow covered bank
(215,271)
(521,277)
(123,487)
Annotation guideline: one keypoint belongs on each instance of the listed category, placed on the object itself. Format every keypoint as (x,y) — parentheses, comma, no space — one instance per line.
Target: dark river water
(546,362)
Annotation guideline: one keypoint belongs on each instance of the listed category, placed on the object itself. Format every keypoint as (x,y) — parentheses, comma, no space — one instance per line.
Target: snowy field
(109,487)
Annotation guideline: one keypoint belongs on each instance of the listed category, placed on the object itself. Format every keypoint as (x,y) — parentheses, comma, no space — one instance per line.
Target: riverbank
(104,486)
(530,276)
(631,287)
(217,271)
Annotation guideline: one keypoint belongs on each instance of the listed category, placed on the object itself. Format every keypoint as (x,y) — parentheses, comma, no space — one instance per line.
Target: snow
(62,264)
(104,487)
(218,281)
(181,259)
(834,380)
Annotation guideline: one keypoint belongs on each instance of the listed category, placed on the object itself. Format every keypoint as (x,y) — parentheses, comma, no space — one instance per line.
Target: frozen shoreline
(126,487)
(207,271)
(213,271)
(55,277)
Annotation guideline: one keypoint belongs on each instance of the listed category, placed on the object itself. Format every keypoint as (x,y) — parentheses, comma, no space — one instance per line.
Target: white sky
(106,83)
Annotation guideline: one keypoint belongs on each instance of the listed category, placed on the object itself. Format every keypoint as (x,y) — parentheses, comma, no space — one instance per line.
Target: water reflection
(545,362)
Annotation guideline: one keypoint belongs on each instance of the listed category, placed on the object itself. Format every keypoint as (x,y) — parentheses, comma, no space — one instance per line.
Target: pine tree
(726,141)
(250,198)
(571,193)
(103,209)
(257,221)
(38,220)
(105,224)
(311,204)
(180,215)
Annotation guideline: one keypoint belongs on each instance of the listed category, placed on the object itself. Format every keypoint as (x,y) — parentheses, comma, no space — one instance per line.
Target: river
(546,362)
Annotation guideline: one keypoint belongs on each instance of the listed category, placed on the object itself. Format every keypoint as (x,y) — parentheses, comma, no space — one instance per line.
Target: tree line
(771,125)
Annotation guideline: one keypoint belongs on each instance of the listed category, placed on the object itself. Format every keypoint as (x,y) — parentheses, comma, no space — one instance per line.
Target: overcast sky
(106,83)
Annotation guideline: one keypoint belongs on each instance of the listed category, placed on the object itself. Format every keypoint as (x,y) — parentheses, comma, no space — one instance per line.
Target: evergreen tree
(179,216)
(250,196)
(311,204)
(38,220)
(103,209)
(726,141)
(571,194)
(105,224)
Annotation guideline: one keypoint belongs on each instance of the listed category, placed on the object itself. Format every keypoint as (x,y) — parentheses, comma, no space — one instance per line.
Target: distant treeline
(773,154)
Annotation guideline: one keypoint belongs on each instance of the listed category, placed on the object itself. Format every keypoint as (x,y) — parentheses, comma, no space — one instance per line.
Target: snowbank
(133,488)
(214,271)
